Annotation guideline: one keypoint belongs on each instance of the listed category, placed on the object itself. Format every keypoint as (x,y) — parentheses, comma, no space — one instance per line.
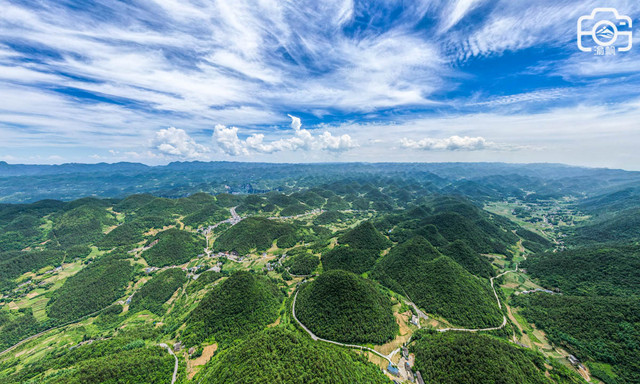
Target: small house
(392,369)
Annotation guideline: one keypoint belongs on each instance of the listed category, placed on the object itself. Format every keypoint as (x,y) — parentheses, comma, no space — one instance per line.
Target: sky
(156,81)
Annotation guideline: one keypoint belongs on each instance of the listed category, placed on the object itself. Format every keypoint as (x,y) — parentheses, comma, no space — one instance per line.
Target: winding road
(504,318)
(175,368)
(420,313)
(316,338)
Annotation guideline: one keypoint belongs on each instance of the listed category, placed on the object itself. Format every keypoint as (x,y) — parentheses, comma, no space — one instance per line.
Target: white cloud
(336,143)
(228,140)
(453,143)
(176,142)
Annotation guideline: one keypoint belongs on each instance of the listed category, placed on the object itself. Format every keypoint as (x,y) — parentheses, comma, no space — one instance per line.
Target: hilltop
(438,284)
(282,356)
(344,307)
(242,304)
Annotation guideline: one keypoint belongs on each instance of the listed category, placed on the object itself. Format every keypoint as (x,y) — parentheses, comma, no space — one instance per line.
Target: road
(175,368)
(48,330)
(504,318)
(316,338)
(420,313)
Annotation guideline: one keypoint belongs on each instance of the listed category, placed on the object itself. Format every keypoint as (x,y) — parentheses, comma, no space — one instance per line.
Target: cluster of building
(404,368)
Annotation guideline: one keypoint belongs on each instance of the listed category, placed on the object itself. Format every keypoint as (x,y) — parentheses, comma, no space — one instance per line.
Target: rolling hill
(438,284)
(344,307)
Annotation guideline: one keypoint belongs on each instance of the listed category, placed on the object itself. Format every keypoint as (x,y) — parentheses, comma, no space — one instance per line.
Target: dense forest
(610,270)
(242,304)
(282,356)
(365,236)
(438,284)
(344,307)
(462,357)
(90,290)
(445,219)
(157,291)
(302,263)
(173,247)
(253,233)
(596,329)
(132,232)
(350,259)
(470,260)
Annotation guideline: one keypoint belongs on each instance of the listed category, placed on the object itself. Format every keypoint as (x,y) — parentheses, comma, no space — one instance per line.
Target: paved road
(420,313)
(316,338)
(504,318)
(175,368)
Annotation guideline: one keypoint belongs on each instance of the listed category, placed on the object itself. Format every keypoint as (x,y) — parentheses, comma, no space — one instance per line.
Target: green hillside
(452,358)
(81,225)
(625,226)
(90,290)
(282,356)
(595,270)
(173,247)
(242,304)
(350,259)
(344,307)
(473,262)
(157,291)
(252,233)
(481,235)
(132,232)
(365,236)
(302,264)
(445,219)
(439,285)
(600,330)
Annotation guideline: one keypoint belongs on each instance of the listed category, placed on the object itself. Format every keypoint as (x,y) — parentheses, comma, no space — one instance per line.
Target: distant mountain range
(27,183)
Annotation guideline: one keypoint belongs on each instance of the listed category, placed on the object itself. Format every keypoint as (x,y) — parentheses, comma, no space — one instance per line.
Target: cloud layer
(79,78)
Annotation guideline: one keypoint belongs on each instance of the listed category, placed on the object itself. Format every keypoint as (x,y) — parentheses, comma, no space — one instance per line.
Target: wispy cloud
(73,74)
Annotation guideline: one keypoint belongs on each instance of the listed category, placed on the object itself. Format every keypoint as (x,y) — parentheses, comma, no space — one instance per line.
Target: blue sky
(155,81)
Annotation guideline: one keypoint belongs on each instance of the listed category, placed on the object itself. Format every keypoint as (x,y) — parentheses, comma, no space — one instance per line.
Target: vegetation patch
(279,355)
(173,247)
(90,290)
(157,291)
(462,357)
(242,304)
(252,233)
(344,307)
(439,285)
